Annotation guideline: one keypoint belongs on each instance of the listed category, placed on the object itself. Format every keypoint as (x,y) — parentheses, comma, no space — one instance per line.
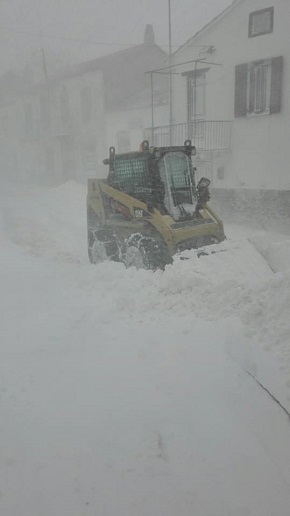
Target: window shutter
(276,84)
(241,74)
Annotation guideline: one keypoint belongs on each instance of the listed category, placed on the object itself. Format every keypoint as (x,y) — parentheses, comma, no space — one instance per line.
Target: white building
(233,95)
(62,129)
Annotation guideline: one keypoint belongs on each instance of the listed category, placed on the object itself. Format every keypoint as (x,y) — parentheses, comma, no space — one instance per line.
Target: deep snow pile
(235,282)
(47,222)
(123,392)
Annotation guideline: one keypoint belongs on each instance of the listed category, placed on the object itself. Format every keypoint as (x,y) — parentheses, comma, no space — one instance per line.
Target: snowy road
(121,392)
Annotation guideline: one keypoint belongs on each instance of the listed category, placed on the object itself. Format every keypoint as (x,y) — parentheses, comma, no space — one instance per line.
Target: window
(124,142)
(86,104)
(196,96)
(261,22)
(196,84)
(258,87)
(64,105)
(131,175)
(177,175)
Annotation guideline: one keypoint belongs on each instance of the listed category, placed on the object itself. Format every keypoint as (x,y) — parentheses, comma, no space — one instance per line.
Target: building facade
(61,129)
(232,95)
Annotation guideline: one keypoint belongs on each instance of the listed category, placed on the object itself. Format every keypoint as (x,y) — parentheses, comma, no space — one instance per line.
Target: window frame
(192,76)
(276,92)
(257,67)
(196,87)
(257,13)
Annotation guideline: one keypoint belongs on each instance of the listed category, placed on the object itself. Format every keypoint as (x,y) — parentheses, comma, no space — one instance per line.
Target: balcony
(206,135)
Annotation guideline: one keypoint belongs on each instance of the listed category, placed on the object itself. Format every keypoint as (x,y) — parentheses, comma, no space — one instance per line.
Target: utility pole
(152,108)
(44,66)
(41,44)
(194,103)
(170,75)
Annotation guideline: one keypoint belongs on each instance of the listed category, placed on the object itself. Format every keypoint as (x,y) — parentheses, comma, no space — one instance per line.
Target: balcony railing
(206,135)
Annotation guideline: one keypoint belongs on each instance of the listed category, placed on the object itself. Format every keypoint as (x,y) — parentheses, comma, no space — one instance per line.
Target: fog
(79,30)
(50,50)
(144,258)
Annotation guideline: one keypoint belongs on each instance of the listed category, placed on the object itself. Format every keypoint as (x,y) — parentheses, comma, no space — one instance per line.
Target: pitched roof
(125,80)
(124,73)
(208,25)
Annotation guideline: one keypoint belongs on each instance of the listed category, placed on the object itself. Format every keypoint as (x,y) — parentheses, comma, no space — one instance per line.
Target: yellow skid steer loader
(149,208)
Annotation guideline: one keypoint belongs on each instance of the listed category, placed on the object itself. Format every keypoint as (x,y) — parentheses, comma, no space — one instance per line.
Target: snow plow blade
(240,258)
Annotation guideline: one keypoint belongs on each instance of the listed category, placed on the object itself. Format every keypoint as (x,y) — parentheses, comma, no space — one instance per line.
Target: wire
(86,41)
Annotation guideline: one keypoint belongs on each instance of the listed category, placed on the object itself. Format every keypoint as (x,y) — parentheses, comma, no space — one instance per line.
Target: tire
(92,224)
(146,253)
(103,246)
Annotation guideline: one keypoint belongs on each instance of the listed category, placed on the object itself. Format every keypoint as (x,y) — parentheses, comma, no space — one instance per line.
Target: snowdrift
(129,382)
(237,281)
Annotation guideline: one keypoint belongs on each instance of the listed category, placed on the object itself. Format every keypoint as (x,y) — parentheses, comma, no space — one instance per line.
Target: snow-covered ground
(132,393)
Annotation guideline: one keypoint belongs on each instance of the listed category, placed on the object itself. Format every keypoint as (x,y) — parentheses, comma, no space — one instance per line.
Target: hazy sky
(83,29)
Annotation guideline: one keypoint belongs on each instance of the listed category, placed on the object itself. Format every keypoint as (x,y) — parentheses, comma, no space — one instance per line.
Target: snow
(127,392)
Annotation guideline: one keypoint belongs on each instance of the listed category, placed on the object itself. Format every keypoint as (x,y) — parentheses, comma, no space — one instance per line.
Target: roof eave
(209,24)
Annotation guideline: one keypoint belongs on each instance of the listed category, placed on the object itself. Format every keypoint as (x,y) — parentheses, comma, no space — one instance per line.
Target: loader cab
(128,172)
(160,176)
(177,173)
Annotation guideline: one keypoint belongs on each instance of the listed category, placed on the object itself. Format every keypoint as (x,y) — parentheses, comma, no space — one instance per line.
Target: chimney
(149,37)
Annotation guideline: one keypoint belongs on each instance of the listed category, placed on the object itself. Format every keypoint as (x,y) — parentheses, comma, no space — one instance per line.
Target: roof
(125,82)
(216,19)
(124,74)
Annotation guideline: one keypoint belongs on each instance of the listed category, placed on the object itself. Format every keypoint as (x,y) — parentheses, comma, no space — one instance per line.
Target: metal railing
(206,135)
